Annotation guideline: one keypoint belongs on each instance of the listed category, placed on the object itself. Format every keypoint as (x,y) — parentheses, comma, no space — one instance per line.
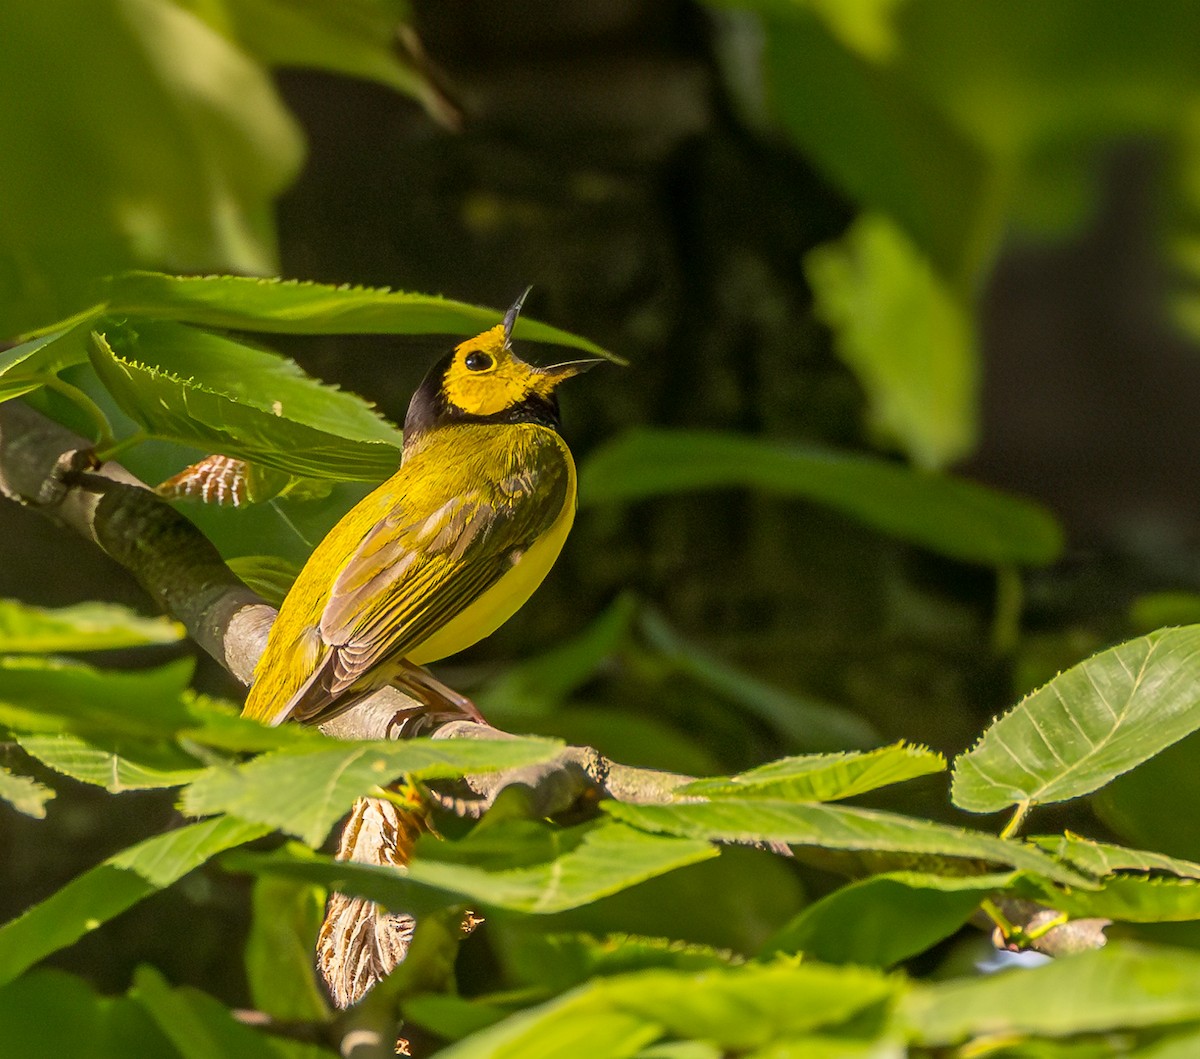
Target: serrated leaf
(1104,858)
(738,1008)
(303,791)
(196,388)
(1132,899)
(907,337)
(1120,986)
(197,1025)
(879,921)
(823,777)
(83,627)
(808,723)
(839,827)
(542,871)
(48,695)
(24,794)
(950,516)
(23,367)
(138,767)
(108,889)
(291,307)
(1092,723)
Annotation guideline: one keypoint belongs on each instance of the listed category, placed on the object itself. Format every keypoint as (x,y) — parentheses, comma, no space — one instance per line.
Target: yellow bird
(441,554)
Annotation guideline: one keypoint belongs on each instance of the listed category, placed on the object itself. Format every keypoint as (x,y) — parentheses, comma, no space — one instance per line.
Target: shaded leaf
(83,627)
(304,790)
(279,951)
(1121,985)
(139,767)
(545,870)
(270,576)
(806,722)
(228,482)
(838,827)
(108,889)
(23,367)
(878,922)
(197,1025)
(1088,725)
(48,1014)
(39,694)
(291,307)
(24,794)
(190,183)
(823,777)
(905,334)
(193,387)
(1154,610)
(950,516)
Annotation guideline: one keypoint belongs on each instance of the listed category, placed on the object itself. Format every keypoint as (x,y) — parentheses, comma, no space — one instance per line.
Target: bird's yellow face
(483,380)
(485,376)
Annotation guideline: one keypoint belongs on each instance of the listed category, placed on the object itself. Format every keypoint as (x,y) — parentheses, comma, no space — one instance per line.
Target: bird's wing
(415,571)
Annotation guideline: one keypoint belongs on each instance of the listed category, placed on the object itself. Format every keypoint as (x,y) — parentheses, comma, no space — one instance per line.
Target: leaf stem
(1018,818)
(115,448)
(85,404)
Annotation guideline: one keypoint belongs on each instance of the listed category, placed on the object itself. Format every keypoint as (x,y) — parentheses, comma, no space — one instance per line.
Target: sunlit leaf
(1089,724)
(1121,985)
(83,627)
(823,777)
(951,516)
(190,386)
(1104,858)
(167,147)
(304,790)
(838,827)
(24,794)
(108,889)
(905,334)
(291,307)
(24,366)
(135,766)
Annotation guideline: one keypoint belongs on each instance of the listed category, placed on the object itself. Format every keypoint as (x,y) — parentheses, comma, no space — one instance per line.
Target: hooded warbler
(442,553)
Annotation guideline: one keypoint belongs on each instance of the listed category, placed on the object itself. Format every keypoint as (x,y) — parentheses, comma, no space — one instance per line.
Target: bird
(441,554)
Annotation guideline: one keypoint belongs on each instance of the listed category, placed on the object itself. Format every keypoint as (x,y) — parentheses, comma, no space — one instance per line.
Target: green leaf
(1132,899)
(1154,610)
(809,724)
(838,827)
(167,145)
(823,777)
(24,794)
(878,922)
(881,142)
(134,766)
(905,334)
(39,694)
(1089,724)
(199,1026)
(269,575)
(110,888)
(193,387)
(304,790)
(290,307)
(521,866)
(737,1008)
(23,367)
(1103,858)
(951,516)
(279,951)
(48,1014)
(1120,986)
(83,627)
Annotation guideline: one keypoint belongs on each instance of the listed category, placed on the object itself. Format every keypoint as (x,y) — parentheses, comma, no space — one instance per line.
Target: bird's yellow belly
(503,599)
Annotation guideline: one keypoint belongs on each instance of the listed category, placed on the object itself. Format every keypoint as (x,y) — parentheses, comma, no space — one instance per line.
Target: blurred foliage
(786,215)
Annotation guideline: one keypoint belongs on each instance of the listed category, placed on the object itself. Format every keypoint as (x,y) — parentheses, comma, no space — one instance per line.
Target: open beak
(553,374)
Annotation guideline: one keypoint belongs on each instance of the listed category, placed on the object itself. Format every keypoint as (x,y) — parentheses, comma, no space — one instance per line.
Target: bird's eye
(477,361)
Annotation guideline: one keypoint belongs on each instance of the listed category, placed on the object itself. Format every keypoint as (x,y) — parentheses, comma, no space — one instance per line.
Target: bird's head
(483,380)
